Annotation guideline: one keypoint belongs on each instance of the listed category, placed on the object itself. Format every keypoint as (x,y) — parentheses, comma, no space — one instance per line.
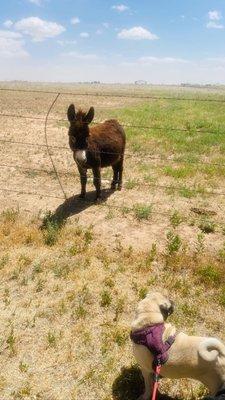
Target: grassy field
(72,272)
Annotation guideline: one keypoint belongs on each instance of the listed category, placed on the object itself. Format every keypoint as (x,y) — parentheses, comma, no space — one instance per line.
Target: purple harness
(151,337)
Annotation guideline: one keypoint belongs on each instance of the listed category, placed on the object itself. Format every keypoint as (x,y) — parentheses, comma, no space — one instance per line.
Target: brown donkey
(96,147)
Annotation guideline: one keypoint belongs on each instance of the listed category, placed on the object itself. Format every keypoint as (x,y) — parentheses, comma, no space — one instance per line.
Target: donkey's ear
(89,116)
(71,114)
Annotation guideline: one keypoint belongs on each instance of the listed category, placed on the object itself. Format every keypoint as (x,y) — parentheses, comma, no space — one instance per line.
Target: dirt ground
(28,182)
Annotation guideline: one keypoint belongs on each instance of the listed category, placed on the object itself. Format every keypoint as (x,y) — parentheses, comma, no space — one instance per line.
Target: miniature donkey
(95,147)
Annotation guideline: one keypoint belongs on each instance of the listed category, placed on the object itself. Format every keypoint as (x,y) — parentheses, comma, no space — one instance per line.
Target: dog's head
(153,309)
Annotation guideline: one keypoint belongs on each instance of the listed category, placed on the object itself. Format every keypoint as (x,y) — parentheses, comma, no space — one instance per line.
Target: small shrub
(120,337)
(23,367)
(11,340)
(209,274)
(151,256)
(200,243)
(88,236)
(51,339)
(207,226)
(40,285)
(80,311)
(173,243)
(3,261)
(142,212)
(222,297)
(51,227)
(106,298)
(176,219)
(10,215)
(143,293)
(130,184)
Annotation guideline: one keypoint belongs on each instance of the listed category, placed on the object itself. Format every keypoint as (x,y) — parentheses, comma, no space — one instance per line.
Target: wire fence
(152,157)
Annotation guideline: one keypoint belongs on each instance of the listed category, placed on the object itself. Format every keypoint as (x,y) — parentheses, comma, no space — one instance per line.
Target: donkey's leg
(120,166)
(83,181)
(97,181)
(115,176)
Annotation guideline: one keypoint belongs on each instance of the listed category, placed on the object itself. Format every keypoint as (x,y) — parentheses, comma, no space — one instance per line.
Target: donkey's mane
(80,114)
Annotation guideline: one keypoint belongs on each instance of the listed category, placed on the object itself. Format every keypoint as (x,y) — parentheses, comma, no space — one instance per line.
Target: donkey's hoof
(113,186)
(98,199)
(119,187)
(82,196)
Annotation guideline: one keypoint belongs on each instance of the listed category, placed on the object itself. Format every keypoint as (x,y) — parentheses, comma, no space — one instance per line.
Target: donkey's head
(79,130)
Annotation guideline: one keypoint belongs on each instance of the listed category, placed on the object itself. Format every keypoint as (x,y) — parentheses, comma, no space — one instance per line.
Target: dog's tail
(209,349)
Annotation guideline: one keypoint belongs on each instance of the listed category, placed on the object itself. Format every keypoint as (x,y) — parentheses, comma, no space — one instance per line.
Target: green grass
(142,211)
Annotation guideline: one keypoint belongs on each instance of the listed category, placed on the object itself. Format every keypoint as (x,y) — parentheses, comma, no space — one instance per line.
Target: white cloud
(120,7)
(162,60)
(215,15)
(214,25)
(37,2)
(12,45)
(84,35)
(8,23)
(38,28)
(79,56)
(75,21)
(106,25)
(66,42)
(99,32)
(137,33)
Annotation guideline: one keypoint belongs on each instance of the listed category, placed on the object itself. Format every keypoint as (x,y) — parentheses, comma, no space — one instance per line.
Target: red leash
(156,377)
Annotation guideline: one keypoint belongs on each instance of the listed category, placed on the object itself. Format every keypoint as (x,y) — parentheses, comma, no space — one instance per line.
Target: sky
(161,42)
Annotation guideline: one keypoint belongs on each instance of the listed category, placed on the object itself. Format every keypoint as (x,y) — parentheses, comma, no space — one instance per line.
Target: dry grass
(66,308)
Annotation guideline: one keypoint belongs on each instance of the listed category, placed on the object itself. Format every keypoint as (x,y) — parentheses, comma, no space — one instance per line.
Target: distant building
(141,82)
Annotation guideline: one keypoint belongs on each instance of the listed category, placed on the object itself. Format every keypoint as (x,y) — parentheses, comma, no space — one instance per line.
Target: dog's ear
(89,116)
(71,113)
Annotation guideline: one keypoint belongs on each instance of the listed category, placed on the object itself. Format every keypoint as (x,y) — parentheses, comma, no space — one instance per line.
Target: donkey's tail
(209,349)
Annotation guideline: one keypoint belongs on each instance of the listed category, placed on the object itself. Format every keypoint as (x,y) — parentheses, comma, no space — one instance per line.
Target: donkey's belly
(109,159)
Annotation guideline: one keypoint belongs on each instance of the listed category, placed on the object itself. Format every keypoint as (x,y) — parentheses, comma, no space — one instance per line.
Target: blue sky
(164,41)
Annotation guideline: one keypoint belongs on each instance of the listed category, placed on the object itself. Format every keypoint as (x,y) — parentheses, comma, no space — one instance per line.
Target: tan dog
(195,357)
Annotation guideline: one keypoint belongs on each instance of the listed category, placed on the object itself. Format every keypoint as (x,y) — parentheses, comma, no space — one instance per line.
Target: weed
(10,215)
(143,292)
(207,226)
(3,261)
(200,243)
(176,219)
(106,298)
(23,367)
(222,296)
(109,282)
(80,311)
(51,227)
(131,184)
(142,212)
(61,271)
(11,340)
(51,339)
(88,236)
(186,192)
(119,308)
(173,243)
(24,260)
(209,274)
(151,256)
(23,392)
(6,297)
(40,285)
(120,337)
